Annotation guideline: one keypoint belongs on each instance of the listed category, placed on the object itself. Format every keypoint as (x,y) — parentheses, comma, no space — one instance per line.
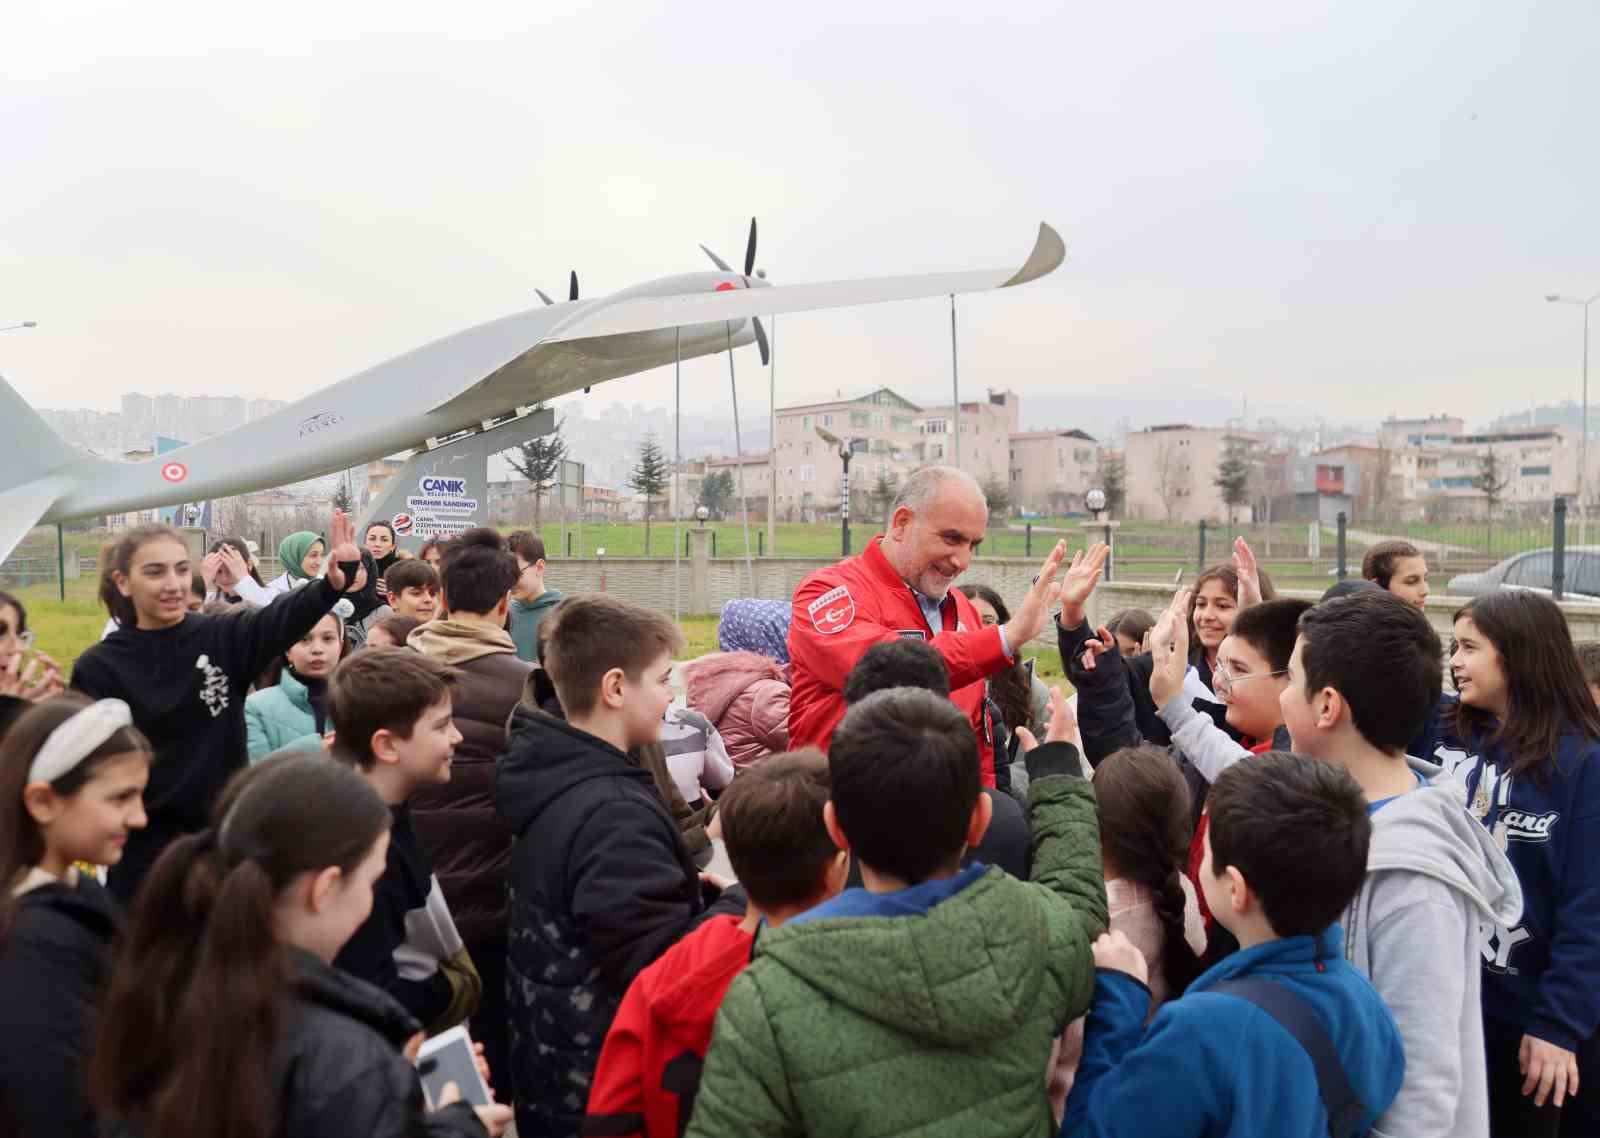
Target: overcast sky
(1345,209)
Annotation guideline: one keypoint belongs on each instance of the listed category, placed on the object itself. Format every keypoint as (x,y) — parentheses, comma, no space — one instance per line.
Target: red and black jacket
(650,1066)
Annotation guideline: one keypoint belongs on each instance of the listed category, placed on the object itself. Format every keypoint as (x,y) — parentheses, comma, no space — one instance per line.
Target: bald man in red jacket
(902,586)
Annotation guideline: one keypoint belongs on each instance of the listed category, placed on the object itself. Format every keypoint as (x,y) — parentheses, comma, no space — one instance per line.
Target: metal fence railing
(1305,554)
(1295,554)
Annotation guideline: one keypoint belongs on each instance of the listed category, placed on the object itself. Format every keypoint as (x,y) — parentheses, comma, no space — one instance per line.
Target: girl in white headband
(72,776)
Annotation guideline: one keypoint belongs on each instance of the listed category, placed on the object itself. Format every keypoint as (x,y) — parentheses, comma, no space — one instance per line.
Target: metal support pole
(677,467)
(1583,440)
(772,442)
(1109,550)
(61,562)
(955,380)
(1558,551)
(1027,540)
(1344,561)
(1202,567)
(738,446)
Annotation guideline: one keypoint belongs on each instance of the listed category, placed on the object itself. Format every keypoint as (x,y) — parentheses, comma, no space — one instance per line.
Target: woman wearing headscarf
(301,555)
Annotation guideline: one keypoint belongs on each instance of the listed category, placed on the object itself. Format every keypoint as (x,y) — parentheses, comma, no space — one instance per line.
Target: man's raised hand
(1029,617)
(1077,585)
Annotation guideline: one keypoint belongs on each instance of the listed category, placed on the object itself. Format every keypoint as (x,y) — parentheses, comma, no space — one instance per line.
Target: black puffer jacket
(601,885)
(340,1067)
(52,968)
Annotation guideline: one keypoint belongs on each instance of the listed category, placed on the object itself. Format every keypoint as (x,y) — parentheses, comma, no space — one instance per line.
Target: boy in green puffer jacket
(925,1003)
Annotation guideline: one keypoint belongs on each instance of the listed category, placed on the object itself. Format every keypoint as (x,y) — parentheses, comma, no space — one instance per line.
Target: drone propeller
(749,270)
(572,289)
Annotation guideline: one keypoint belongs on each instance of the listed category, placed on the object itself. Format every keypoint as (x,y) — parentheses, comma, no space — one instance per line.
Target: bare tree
(1172,477)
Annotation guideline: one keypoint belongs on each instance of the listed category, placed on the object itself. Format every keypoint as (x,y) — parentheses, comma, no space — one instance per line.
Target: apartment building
(1435,430)
(1530,467)
(1171,470)
(889,436)
(1051,471)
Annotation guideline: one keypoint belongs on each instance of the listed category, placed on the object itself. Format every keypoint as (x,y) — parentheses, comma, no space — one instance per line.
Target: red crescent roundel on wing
(725,286)
(174,471)
(834,611)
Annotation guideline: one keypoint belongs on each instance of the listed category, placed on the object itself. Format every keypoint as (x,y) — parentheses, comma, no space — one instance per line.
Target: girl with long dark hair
(226,1017)
(382,544)
(1143,805)
(72,774)
(185,675)
(1526,751)
(1016,697)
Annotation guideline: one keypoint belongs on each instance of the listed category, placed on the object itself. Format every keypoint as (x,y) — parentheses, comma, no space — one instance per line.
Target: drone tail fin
(33,464)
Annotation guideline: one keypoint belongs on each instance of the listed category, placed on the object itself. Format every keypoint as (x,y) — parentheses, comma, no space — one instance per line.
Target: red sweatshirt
(1197,845)
(650,1066)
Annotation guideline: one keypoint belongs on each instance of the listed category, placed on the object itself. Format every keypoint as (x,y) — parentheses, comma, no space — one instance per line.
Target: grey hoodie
(1434,875)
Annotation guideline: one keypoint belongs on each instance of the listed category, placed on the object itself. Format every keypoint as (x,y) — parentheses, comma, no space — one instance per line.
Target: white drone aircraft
(459,382)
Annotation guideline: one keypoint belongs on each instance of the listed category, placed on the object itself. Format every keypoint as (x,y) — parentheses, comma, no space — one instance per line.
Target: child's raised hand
(1169,650)
(1063,725)
(1244,564)
(1101,641)
(1114,951)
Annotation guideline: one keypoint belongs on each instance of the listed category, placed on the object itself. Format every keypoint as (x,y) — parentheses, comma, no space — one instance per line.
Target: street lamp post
(844,486)
(1583,436)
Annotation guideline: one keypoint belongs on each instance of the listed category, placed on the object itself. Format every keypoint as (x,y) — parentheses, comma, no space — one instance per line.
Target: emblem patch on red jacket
(833,611)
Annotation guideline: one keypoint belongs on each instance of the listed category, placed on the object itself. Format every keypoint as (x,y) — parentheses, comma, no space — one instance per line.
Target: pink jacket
(746,696)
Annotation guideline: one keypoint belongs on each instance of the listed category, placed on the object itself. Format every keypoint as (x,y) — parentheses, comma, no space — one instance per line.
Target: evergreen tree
(539,461)
(1233,476)
(884,489)
(1113,478)
(716,491)
(343,499)
(649,478)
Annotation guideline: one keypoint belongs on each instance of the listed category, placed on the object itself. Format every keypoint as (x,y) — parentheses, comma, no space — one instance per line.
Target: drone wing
(608,339)
(648,313)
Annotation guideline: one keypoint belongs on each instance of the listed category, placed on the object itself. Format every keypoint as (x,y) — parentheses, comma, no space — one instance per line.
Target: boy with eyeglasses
(1251,673)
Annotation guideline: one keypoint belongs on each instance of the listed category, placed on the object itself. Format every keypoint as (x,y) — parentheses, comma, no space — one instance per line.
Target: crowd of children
(1258,877)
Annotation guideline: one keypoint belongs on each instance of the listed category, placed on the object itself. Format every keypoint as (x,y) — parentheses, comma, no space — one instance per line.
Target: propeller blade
(716,260)
(761,340)
(750,250)
(544,296)
(572,290)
